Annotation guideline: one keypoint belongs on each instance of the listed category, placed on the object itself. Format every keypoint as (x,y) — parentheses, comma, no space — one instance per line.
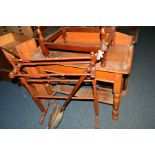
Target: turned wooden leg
(42,118)
(37,101)
(31,91)
(117,95)
(41,42)
(103,46)
(115,113)
(96,105)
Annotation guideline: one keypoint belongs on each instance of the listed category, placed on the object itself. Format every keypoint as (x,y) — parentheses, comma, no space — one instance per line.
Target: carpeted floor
(137,110)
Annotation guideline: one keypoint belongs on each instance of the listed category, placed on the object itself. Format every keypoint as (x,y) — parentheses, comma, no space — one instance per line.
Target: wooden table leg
(42,118)
(117,95)
(96,105)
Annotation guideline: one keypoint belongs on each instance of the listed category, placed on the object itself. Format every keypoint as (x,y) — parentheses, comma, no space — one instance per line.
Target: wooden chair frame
(48,42)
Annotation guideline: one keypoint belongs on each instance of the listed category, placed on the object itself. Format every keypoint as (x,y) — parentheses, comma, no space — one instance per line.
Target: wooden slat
(100,75)
(82,29)
(94,38)
(72,47)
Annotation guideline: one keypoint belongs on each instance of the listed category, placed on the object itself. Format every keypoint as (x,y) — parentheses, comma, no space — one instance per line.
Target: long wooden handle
(90,69)
(82,78)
